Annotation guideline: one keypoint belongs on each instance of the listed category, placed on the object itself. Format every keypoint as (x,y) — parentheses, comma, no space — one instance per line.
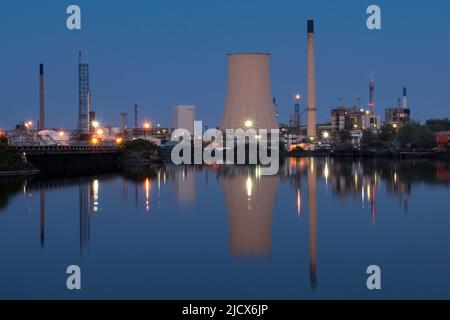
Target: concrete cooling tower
(249,102)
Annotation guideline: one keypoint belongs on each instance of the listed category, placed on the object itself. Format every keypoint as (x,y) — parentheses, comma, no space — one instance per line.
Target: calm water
(229,233)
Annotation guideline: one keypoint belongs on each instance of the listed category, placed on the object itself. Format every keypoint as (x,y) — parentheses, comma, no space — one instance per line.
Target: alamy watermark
(230,146)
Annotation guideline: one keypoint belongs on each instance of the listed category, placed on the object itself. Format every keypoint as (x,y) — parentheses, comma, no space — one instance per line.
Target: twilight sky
(164,52)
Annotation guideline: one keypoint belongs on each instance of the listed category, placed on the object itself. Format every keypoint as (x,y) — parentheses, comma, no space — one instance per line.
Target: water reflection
(250,200)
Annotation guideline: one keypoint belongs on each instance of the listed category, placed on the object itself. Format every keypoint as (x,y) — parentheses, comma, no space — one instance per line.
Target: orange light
(94,140)
(100,131)
(147,125)
(119,140)
(61,133)
(147,194)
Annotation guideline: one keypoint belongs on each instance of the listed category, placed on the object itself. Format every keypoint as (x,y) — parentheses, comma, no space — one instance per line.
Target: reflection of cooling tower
(250,202)
(249,100)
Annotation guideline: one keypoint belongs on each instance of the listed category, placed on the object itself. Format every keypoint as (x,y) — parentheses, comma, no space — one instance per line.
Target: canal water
(226,232)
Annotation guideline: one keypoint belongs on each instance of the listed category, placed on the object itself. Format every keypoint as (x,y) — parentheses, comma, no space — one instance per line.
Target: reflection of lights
(159,180)
(249,186)
(249,123)
(363,195)
(95,195)
(326,172)
(356,180)
(368,192)
(312,165)
(395,177)
(147,194)
(258,172)
(299,202)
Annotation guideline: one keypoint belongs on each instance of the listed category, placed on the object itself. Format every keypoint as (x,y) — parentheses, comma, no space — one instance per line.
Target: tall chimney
(372,97)
(404,99)
(311,104)
(41,98)
(135,116)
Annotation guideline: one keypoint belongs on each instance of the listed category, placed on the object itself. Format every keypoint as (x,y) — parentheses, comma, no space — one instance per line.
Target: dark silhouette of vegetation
(10,159)
(436,125)
(416,136)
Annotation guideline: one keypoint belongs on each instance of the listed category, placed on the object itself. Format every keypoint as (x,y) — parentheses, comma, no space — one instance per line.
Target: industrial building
(354,118)
(401,115)
(183,117)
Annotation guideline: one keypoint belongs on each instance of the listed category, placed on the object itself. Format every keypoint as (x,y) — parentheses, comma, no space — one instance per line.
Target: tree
(370,140)
(415,135)
(436,125)
(387,134)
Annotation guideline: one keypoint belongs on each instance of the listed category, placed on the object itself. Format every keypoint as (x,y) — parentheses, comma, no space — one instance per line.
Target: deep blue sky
(161,53)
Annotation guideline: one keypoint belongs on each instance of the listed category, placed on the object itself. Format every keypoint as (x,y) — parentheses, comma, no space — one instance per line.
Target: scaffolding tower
(83,97)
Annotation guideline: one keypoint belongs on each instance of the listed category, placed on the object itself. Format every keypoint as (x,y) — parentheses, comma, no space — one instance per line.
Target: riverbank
(12,164)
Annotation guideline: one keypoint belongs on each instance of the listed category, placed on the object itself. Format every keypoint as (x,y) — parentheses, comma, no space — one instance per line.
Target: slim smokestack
(41,98)
(311,77)
(372,97)
(135,116)
(404,99)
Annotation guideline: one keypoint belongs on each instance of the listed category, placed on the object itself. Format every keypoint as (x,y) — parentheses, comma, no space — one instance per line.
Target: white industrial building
(183,117)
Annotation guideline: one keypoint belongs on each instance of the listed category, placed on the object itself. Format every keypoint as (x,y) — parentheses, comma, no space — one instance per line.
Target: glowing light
(249,186)
(100,131)
(61,133)
(249,123)
(395,177)
(95,195)
(395,126)
(326,172)
(147,194)
(94,141)
(299,202)
(119,140)
(326,135)
(95,124)
(368,192)
(298,96)
(147,125)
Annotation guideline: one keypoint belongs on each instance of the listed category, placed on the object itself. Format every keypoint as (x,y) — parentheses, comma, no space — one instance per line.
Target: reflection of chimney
(311,107)
(312,208)
(41,98)
(372,97)
(404,99)
(42,216)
